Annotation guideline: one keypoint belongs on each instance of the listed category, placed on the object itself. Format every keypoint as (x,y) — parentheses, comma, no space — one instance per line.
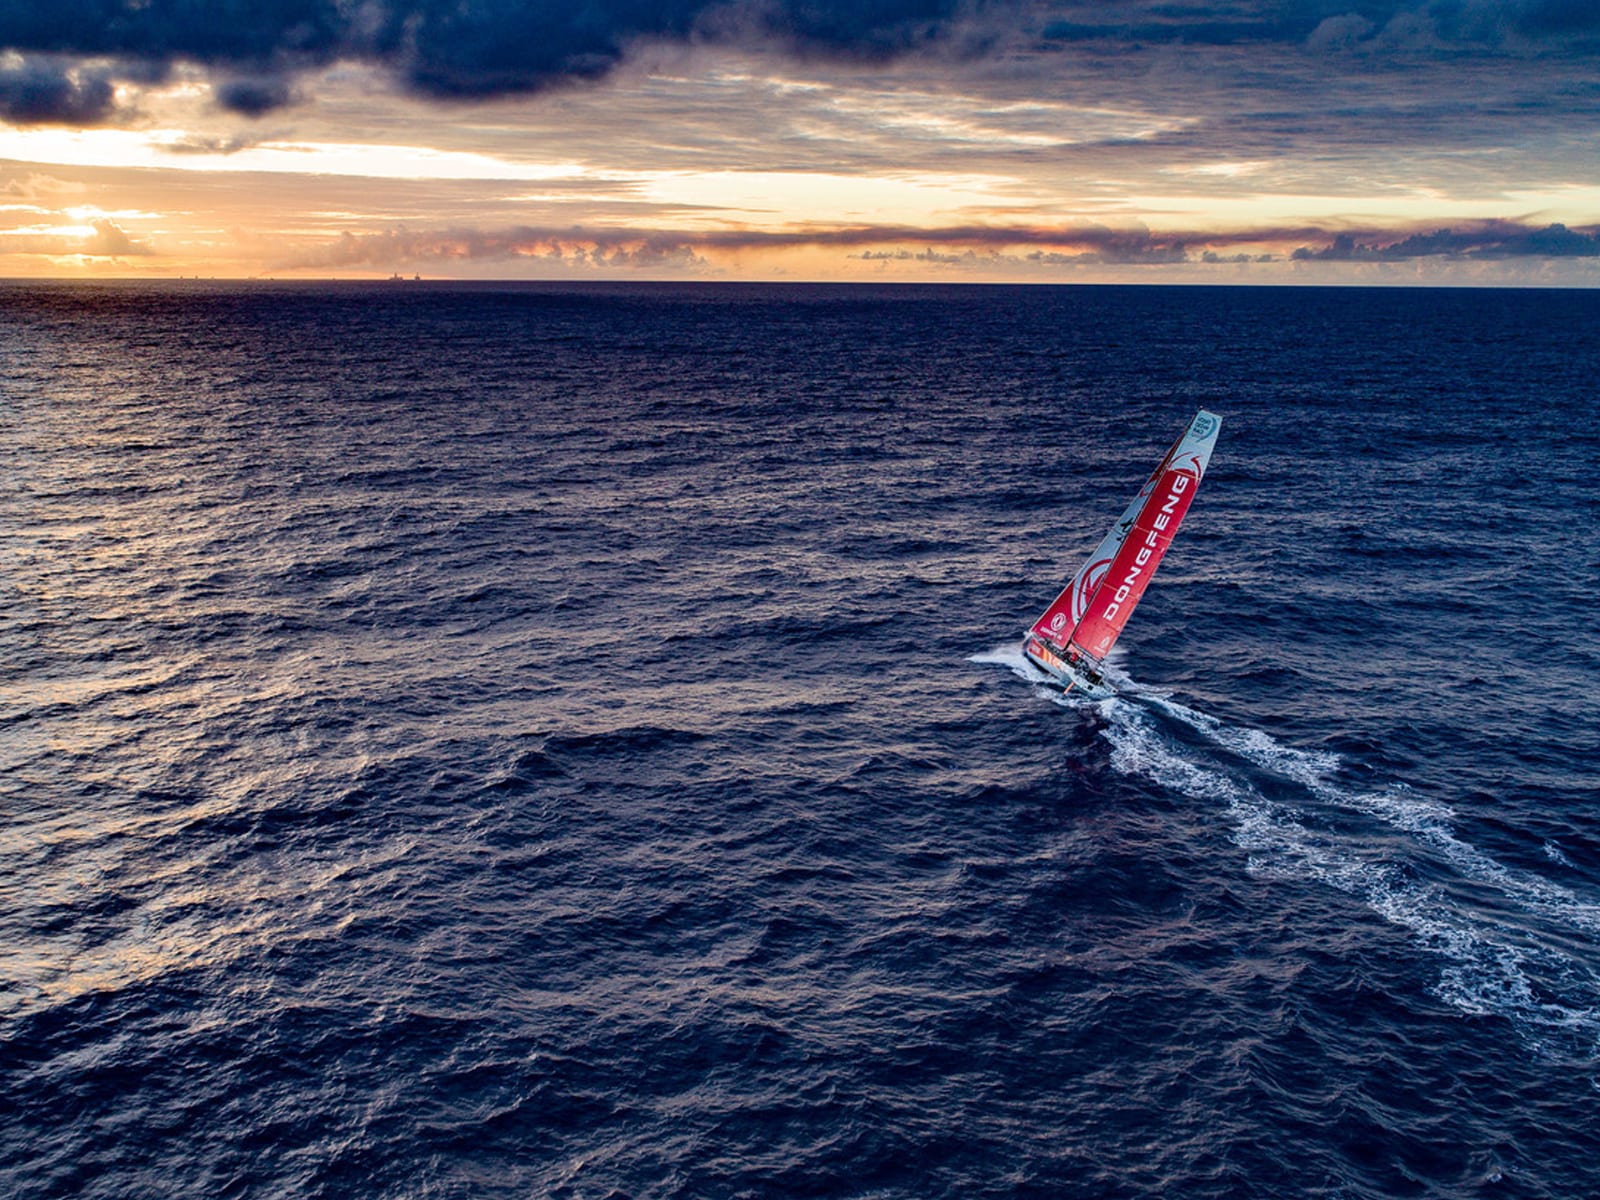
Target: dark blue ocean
(572,741)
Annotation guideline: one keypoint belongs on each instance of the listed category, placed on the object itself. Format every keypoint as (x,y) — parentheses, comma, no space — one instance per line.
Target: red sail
(1136,559)
(1067,609)
(1056,623)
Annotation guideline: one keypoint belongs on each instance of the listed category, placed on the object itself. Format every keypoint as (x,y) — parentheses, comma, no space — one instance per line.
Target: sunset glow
(1025,141)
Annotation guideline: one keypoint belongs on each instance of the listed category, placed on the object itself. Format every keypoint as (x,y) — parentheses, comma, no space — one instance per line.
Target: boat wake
(1511,943)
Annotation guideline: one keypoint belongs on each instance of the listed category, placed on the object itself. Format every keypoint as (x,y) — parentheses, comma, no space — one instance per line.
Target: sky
(1225,141)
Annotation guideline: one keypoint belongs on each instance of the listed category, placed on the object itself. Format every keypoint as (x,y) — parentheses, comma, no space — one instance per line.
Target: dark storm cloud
(477,48)
(486,47)
(253,96)
(463,49)
(1323,24)
(207,31)
(440,48)
(46,91)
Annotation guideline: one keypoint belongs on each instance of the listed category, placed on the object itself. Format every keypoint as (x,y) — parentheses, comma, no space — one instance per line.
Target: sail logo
(1058,622)
(1151,547)
(1089,582)
(1203,425)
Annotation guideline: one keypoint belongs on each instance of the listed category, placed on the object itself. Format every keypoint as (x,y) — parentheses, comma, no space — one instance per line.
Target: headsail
(1084,621)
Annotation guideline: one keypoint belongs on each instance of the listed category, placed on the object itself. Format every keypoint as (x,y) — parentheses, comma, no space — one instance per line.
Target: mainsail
(1079,628)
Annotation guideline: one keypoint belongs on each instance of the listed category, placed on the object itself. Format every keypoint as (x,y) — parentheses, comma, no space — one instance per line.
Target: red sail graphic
(1136,559)
(1056,623)
(1067,609)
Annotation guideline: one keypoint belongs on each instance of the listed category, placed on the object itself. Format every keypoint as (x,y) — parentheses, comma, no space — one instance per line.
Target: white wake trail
(1506,936)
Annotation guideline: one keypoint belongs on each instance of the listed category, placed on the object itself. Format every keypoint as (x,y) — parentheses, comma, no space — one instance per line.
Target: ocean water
(558,741)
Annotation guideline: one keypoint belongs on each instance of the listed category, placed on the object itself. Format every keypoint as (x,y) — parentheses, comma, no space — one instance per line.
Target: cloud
(447,49)
(110,240)
(253,96)
(1324,24)
(955,246)
(1487,241)
(548,247)
(1341,32)
(102,238)
(36,188)
(460,49)
(46,90)
(197,144)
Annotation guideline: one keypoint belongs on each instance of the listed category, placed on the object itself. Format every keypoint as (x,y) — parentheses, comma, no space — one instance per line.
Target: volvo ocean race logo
(1203,425)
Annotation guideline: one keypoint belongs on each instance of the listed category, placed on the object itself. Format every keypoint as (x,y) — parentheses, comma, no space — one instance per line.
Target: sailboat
(1070,641)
